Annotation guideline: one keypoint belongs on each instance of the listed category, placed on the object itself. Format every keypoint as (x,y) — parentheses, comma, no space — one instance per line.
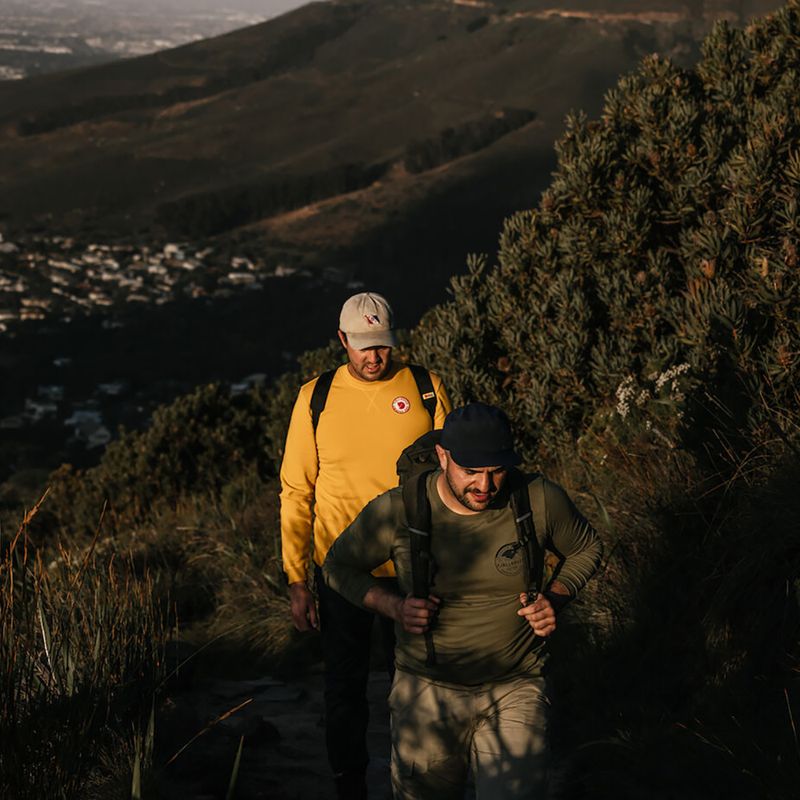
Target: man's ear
(343,338)
(442,455)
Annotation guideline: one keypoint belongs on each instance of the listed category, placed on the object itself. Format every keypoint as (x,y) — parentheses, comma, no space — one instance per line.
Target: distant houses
(85,420)
(55,278)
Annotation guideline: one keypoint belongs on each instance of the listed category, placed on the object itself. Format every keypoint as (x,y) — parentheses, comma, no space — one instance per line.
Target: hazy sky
(266,7)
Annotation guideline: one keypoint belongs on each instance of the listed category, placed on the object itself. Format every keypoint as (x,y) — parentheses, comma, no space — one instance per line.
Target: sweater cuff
(295,575)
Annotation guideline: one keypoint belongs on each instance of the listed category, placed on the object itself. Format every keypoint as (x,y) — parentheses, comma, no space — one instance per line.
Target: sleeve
(443,405)
(572,539)
(363,546)
(298,479)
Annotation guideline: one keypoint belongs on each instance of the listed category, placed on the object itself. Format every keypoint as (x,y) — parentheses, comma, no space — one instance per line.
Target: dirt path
(283,756)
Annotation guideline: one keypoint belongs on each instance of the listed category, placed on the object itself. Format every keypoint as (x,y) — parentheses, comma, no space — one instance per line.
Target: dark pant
(346,631)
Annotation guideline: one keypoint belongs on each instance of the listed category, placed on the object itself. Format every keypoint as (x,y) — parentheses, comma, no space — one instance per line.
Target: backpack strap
(320,396)
(527,520)
(425,388)
(418,521)
(539,503)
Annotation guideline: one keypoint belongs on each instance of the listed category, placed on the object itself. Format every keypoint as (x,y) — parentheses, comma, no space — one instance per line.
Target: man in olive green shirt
(482,700)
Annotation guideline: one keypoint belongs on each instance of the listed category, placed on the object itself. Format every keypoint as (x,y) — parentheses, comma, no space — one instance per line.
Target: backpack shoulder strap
(538,502)
(418,521)
(320,396)
(425,387)
(531,521)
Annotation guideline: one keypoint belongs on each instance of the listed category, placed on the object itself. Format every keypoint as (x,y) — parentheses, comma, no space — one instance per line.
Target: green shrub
(668,236)
(200,441)
(642,329)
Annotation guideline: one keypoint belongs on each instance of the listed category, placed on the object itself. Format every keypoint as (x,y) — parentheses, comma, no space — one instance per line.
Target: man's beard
(378,374)
(464,498)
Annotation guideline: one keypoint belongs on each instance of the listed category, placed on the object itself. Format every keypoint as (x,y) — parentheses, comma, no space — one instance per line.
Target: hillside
(371,143)
(317,104)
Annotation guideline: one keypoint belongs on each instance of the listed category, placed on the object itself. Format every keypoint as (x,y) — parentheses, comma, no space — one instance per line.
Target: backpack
(323,386)
(414,465)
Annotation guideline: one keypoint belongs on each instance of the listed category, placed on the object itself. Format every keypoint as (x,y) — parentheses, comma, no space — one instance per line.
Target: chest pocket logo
(508,560)
(401,404)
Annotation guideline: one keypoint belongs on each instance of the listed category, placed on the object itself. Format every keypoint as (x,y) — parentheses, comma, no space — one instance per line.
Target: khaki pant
(439,731)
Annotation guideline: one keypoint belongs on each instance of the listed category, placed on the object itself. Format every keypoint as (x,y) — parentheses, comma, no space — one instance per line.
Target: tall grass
(684,680)
(220,555)
(82,653)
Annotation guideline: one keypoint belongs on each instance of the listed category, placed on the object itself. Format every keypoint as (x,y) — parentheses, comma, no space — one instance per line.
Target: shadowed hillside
(320,102)
(373,143)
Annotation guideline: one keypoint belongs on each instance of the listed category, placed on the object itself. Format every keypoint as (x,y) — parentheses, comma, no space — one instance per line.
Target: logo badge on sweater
(401,404)
(508,560)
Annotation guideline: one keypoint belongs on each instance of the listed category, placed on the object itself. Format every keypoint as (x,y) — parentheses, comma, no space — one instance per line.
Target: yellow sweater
(362,431)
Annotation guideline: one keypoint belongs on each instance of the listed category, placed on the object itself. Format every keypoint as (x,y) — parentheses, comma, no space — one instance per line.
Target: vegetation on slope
(641,328)
(83,654)
(668,236)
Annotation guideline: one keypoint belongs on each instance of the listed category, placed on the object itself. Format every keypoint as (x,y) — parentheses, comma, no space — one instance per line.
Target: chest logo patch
(401,405)
(508,560)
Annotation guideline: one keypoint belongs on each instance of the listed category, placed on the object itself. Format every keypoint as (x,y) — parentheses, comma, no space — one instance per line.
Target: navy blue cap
(479,435)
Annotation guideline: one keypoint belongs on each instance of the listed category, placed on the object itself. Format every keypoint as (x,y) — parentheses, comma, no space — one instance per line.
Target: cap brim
(497,458)
(371,339)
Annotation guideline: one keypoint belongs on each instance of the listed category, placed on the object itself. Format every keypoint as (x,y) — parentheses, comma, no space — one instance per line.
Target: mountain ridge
(208,138)
(378,164)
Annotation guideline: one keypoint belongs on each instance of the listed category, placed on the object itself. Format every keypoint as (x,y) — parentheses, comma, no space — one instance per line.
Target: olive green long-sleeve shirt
(478,574)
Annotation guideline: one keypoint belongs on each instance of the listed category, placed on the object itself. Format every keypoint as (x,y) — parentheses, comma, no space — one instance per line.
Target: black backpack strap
(425,387)
(526,534)
(418,522)
(320,396)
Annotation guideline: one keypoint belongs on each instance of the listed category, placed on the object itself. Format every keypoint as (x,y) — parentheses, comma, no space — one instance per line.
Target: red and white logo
(401,404)
(372,319)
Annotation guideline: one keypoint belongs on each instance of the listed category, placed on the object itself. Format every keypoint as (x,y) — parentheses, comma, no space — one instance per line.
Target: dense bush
(642,328)
(669,235)
(682,680)
(199,442)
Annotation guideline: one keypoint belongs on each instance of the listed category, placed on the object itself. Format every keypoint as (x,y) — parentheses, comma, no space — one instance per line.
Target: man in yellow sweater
(348,428)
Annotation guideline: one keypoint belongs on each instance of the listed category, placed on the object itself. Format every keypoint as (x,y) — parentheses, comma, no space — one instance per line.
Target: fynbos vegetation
(669,235)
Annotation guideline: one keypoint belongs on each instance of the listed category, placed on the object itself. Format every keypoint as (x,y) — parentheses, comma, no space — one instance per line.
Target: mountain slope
(315,103)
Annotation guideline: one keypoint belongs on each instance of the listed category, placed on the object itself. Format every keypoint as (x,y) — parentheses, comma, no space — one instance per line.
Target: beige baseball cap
(367,320)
